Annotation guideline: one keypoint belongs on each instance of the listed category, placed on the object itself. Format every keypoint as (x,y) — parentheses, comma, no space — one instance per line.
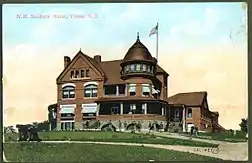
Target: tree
(244,125)
(52,120)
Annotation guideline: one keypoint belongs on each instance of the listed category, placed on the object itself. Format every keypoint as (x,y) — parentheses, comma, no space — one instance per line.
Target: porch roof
(118,99)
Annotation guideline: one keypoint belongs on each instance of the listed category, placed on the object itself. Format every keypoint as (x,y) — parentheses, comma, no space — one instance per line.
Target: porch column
(117,90)
(184,119)
(98,109)
(121,108)
(162,109)
(145,108)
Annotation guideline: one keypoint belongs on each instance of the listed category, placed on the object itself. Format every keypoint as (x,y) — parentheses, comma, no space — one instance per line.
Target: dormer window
(87,73)
(82,73)
(76,74)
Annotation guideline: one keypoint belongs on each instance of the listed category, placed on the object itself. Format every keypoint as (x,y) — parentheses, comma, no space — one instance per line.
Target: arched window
(68,92)
(90,90)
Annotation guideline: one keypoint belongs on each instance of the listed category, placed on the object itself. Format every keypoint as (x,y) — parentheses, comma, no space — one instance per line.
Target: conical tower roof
(138,51)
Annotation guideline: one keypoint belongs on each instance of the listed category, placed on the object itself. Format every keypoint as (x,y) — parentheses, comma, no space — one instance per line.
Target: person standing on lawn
(196,131)
(191,131)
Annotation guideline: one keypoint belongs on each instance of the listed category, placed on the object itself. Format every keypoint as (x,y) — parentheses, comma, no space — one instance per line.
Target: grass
(67,152)
(114,137)
(222,136)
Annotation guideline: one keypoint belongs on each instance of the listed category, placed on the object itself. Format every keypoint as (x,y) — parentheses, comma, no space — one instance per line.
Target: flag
(153,31)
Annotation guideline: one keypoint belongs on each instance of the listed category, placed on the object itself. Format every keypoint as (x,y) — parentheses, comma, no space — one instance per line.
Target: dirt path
(234,152)
(227,150)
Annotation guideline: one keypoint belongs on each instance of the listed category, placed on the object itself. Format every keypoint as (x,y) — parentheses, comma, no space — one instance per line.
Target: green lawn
(67,152)
(222,136)
(114,137)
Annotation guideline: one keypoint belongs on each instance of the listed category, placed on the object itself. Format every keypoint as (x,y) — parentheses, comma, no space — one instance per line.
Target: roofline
(86,56)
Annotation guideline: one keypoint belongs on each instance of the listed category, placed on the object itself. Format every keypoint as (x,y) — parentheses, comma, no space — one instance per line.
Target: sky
(203,46)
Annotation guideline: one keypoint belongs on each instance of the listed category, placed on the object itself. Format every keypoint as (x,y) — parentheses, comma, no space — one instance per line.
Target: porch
(133,107)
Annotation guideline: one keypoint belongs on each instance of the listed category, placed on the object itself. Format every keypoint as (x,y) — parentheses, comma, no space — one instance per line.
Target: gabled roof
(91,60)
(188,98)
(111,70)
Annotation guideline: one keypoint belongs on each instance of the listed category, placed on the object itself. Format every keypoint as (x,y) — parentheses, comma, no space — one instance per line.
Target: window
(62,126)
(189,113)
(145,89)
(68,92)
(138,67)
(82,73)
(132,90)
(176,113)
(89,114)
(148,68)
(87,73)
(114,110)
(132,68)
(76,74)
(144,68)
(151,69)
(72,125)
(90,90)
(72,74)
(121,89)
(126,69)
(67,115)
(132,108)
(110,90)
(67,126)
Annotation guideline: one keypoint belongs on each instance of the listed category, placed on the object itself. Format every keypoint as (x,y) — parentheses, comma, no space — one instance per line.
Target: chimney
(97,58)
(67,60)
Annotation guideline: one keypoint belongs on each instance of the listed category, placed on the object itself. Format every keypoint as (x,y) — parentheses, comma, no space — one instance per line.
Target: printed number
(215,150)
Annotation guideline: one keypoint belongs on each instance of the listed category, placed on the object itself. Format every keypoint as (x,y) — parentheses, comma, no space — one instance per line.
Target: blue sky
(119,23)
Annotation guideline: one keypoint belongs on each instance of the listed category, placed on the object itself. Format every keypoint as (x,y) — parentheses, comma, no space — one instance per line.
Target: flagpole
(157,44)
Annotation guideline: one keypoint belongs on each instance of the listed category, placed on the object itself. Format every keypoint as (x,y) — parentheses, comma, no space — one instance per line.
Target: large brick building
(125,94)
